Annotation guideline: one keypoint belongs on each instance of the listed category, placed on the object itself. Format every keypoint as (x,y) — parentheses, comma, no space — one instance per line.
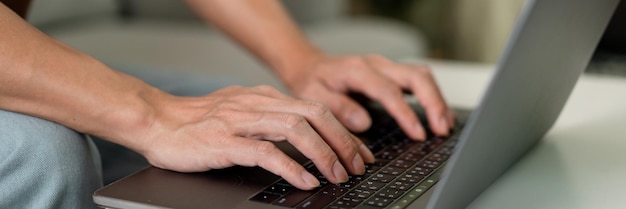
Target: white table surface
(581,163)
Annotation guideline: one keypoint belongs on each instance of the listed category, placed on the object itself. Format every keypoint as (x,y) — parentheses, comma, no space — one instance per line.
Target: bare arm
(266,30)
(233,126)
(42,77)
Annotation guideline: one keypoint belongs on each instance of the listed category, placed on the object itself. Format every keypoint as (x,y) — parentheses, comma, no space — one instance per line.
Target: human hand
(329,79)
(235,126)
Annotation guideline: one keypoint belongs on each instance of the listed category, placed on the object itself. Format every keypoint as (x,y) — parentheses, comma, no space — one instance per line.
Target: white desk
(581,163)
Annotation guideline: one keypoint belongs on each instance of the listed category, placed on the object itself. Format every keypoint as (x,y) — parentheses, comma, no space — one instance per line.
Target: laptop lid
(549,49)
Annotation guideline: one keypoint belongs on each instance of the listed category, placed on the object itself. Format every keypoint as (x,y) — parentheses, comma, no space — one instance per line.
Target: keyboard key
(418,150)
(427,164)
(420,172)
(383,178)
(400,185)
(436,141)
(335,190)
(410,178)
(387,155)
(381,162)
(401,163)
(359,194)
(378,201)
(349,184)
(413,157)
(370,185)
(375,147)
(432,162)
(417,191)
(392,170)
(358,178)
(438,157)
(371,169)
(390,193)
(403,146)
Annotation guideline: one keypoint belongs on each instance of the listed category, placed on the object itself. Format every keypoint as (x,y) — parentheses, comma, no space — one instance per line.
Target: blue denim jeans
(47,165)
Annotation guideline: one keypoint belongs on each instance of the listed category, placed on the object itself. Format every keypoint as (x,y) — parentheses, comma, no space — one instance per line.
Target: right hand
(235,126)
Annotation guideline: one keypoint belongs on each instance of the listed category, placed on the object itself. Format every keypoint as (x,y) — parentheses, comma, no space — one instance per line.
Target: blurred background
(166,35)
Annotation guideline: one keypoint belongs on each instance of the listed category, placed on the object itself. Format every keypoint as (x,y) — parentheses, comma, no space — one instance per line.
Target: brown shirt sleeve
(18,6)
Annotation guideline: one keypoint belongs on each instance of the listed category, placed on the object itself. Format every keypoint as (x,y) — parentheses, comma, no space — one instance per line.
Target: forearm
(44,78)
(264,28)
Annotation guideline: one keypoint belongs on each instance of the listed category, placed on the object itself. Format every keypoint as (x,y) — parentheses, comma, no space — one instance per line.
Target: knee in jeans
(44,143)
(45,164)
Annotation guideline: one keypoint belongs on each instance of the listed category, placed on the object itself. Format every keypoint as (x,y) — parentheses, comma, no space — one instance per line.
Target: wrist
(129,121)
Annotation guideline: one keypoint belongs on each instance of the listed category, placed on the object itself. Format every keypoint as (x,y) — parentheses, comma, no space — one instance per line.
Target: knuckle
(265,148)
(347,140)
(347,144)
(317,109)
(292,120)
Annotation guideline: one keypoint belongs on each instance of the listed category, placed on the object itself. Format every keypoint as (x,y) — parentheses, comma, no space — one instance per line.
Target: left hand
(329,79)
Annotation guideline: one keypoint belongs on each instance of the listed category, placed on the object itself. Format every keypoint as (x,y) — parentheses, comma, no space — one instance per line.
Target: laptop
(550,47)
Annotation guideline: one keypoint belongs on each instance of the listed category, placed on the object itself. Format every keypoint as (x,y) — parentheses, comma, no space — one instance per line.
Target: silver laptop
(548,50)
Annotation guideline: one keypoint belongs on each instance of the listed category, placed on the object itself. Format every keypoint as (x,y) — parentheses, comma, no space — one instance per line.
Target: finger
(297,131)
(362,117)
(347,148)
(267,156)
(420,81)
(389,94)
(345,145)
(347,111)
(429,96)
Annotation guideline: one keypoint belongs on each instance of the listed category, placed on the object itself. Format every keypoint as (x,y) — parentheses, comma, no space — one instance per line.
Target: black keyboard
(404,169)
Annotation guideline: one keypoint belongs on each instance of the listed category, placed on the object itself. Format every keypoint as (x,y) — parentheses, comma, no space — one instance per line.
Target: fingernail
(369,156)
(340,173)
(358,164)
(309,179)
